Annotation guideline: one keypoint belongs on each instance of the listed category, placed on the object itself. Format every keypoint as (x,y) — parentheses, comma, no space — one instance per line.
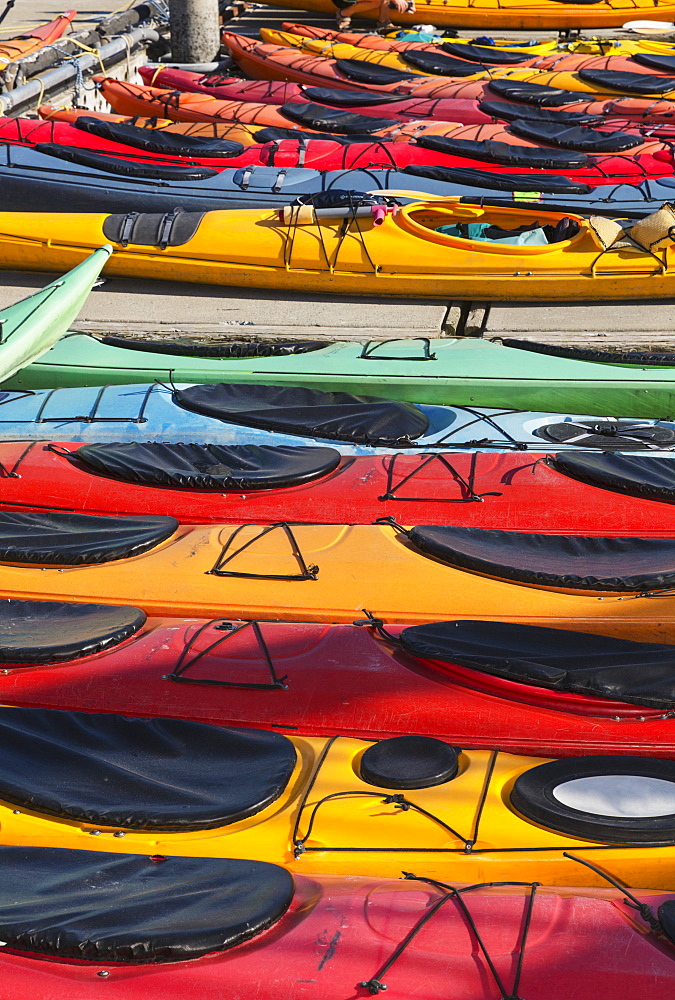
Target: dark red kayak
(522,689)
(84,925)
(569,493)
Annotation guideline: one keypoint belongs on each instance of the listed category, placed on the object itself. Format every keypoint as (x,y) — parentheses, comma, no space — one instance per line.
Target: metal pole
(195,35)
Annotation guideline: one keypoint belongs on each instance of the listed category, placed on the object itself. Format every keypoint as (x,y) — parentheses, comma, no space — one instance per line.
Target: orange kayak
(245,134)
(34,39)
(133,99)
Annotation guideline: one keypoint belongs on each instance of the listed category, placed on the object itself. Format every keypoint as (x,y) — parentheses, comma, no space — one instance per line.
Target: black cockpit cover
(507,111)
(139,774)
(485,54)
(60,538)
(237,468)
(638,673)
(34,632)
(608,434)
(226,349)
(588,140)
(564,561)
(655,60)
(632,83)
(637,475)
(94,906)
(323,119)
(438,64)
(536,93)
(493,180)
(492,151)
(160,141)
(348,98)
(129,169)
(639,358)
(275,134)
(339,416)
(365,72)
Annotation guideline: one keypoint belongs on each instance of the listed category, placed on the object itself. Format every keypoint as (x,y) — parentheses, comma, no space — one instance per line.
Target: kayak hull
(519,493)
(357,567)
(298,957)
(231,685)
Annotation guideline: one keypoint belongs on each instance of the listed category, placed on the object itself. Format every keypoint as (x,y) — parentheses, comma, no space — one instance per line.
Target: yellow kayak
(592,45)
(328,572)
(342,805)
(355,251)
(588,81)
(540,15)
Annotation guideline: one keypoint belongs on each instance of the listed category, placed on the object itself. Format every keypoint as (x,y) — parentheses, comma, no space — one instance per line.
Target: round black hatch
(409,762)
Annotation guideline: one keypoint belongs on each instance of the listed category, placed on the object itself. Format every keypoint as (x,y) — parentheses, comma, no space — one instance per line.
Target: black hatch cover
(589,354)
(438,64)
(493,180)
(631,83)
(565,561)
(139,774)
(365,72)
(348,98)
(589,140)
(642,476)
(98,907)
(638,673)
(60,538)
(33,632)
(159,140)
(131,170)
(323,119)
(536,93)
(226,349)
(311,412)
(508,112)
(238,468)
(493,151)
(485,54)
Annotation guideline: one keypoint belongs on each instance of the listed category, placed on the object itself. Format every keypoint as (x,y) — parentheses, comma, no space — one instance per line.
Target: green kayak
(457,371)
(30,327)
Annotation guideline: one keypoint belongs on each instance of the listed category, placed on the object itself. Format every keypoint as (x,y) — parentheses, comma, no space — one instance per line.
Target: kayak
(90,182)
(465,371)
(619,585)
(32,39)
(546,691)
(30,327)
(127,912)
(514,14)
(369,808)
(93,143)
(130,99)
(492,51)
(604,115)
(364,248)
(251,414)
(279,62)
(576,72)
(557,494)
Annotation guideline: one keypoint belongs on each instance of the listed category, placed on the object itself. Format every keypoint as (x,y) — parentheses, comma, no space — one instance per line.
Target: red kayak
(182,928)
(559,494)
(603,115)
(147,146)
(545,692)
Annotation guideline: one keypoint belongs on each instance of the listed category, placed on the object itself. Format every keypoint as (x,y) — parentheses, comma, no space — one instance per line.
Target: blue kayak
(35,181)
(231,414)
